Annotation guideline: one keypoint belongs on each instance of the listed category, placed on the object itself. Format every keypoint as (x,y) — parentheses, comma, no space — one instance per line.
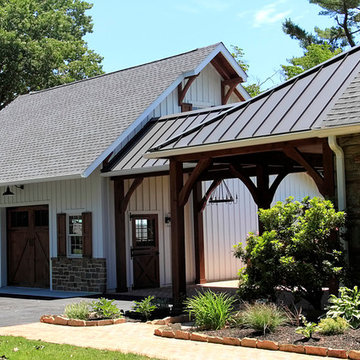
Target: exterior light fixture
(8,192)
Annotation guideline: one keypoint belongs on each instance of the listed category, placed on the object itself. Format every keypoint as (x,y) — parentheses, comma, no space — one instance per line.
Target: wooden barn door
(145,250)
(28,246)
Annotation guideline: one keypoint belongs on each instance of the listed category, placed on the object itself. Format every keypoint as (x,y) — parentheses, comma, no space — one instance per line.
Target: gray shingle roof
(59,132)
(299,105)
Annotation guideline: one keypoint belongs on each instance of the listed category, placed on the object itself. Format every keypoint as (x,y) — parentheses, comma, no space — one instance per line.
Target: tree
(314,55)
(42,45)
(296,251)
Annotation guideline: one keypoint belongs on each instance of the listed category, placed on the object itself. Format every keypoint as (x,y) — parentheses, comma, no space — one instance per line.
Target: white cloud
(270,14)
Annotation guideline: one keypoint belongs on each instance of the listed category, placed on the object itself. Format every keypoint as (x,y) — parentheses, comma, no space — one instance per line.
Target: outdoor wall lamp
(8,192)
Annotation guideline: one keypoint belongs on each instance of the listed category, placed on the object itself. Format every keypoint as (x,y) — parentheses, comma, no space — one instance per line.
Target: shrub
(329,326)
(346,306)
(263,317)
(145,307)
(308,329)
(210,310)
(295,251)
(79,310)
(105,308)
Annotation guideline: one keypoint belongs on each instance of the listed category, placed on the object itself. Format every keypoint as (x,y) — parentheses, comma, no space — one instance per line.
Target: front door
(28,246)
(145,250)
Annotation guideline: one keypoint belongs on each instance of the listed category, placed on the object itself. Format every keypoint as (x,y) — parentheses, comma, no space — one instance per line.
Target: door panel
(28,246)
(145,251)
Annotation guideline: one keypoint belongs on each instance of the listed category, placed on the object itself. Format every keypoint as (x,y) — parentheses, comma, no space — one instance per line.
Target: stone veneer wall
(79,274)
(351,147)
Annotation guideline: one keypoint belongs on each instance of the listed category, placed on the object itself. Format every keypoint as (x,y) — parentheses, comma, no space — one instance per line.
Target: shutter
(61,234)
(87,233)
(186,107)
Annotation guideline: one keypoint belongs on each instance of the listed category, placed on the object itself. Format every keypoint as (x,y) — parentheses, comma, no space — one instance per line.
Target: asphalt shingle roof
(59,132)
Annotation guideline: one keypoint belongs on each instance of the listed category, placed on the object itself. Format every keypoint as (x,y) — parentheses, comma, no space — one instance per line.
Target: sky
(129,33)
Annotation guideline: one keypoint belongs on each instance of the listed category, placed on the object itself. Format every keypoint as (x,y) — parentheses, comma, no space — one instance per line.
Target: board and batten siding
(228,224)
(65,196)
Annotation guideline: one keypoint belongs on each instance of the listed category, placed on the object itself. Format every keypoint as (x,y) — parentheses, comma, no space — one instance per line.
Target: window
(75,235)
(145,232)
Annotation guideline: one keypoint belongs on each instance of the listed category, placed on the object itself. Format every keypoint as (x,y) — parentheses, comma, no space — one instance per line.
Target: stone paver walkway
(138,338)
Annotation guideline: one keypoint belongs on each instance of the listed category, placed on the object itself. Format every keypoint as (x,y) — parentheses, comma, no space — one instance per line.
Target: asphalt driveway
(18,311)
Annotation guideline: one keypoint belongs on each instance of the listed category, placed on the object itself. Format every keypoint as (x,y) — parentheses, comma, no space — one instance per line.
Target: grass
(18,348)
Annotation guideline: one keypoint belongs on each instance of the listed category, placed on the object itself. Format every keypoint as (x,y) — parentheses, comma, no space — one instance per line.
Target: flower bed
(62,320)
(284,339)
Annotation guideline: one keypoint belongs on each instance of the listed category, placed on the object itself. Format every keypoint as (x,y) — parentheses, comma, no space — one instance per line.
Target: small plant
(346,306)
(308,329)
(263,317)
(145,307)
(105,308)
(329,326)
(79,310)
(293,314)
(210,310)
(237,320)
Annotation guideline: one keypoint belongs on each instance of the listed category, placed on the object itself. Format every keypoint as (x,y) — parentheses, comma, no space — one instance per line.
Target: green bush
(79,310)
(263,317)
(210,310)
(331,326)
(145,307)
(308,329)
(295,251)
(346,306)
(105,308)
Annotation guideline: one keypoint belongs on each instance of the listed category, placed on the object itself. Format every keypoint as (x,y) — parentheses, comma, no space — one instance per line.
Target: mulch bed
(286,335)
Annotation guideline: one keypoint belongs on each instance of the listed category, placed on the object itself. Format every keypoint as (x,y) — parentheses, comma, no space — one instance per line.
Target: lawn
(18,348)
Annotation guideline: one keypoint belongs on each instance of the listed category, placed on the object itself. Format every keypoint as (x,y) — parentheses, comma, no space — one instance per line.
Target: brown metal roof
(298,105)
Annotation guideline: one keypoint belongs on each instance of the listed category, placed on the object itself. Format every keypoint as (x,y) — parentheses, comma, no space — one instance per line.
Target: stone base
(79,274)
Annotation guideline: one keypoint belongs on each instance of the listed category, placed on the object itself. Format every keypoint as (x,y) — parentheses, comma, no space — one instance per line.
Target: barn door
(28,246)
(145,250)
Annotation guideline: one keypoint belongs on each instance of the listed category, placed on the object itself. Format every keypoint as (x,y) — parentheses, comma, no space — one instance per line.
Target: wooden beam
(177,234)
(210,190)
(120,241)
(277,181)
(201,166)
(232,83)
(182,91)
(198,235)
(137,181)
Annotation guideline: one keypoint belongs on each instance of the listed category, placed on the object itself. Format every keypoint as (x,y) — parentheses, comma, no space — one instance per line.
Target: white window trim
(68,236)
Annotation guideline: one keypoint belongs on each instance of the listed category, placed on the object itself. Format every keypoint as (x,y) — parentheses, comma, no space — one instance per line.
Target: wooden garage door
(28,246)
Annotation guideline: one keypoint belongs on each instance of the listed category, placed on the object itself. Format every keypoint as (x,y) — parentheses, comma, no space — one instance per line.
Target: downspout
(341,184)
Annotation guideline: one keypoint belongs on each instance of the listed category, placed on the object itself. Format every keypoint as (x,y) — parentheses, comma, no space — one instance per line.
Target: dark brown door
(145,251)
(28,246)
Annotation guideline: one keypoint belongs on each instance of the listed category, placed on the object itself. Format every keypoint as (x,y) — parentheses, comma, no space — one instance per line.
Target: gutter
(340,184)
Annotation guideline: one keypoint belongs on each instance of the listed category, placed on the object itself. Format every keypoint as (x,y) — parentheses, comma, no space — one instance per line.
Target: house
(81,209)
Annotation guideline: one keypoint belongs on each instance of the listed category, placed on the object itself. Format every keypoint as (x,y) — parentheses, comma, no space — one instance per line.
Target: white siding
(62,197)
(227,224)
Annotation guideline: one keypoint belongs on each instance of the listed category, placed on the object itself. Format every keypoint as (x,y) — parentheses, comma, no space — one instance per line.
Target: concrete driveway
(18,311)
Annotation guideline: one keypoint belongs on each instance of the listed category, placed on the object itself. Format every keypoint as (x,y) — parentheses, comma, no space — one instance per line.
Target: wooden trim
(210,190)
(328,169)
(177,234)
(186,107)
(87,233)
(199,235)
(61,234)
(182,91)
(232,83)
(135,184)
(201,166)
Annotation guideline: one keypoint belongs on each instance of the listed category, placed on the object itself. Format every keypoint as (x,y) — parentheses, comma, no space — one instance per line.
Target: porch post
(177,233)
(198,235)
(264,201)
(120,241)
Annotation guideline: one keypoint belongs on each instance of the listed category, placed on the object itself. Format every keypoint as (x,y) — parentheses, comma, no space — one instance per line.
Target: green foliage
(210,310)
(263,317)
(346,306)
(329,326)
(294,251)
(145,307)
(42,45)
(308,329)
(314,55)
(105,308)
(79,310)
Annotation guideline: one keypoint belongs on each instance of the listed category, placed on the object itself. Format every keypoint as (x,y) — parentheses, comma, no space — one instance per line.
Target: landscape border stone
(260,344)
(62,320)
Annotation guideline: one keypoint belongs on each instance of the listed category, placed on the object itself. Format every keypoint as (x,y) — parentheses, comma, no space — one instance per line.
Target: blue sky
(128,33)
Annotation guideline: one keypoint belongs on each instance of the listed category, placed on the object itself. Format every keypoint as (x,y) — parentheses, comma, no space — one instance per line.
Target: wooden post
(177,234)
(198,235)
(328,172)
(120,241)
(264,201)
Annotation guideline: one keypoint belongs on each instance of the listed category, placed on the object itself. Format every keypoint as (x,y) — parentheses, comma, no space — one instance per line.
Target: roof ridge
(120,70)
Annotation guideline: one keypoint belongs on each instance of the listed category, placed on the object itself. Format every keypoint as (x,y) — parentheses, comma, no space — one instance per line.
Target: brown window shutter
(87,233)
(61,234)
(186,107)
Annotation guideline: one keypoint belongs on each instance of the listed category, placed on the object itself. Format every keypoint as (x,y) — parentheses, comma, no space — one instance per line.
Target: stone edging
(260,344)
(62,320)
